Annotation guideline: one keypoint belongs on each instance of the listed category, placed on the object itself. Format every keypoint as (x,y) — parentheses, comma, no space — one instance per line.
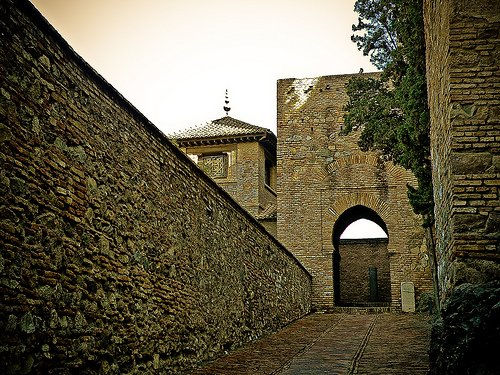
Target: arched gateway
(361,270)
(324,182)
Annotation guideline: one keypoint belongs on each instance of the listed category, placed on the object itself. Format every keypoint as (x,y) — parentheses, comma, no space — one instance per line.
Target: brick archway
(371,201)
(361,268)
(323,172)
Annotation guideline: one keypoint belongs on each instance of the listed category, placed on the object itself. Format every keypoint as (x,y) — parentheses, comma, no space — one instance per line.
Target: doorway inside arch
(361,270)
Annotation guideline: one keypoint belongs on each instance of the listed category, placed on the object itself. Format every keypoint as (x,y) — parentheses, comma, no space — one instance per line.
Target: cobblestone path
(335,344)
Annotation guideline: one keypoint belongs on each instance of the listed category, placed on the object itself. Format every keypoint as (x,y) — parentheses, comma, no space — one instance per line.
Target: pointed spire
(226,107)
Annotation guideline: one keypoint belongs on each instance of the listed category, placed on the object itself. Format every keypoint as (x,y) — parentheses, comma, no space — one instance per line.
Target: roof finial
(226,107)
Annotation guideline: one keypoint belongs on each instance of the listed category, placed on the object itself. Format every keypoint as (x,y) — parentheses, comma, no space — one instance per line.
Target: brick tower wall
(244,175)
(322,173)
(357,256)
(463,78)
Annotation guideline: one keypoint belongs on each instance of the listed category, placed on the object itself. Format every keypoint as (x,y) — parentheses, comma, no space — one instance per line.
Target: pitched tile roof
(223,127)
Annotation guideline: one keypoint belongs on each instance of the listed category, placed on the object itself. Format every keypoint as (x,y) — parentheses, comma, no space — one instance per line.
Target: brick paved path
(335,344)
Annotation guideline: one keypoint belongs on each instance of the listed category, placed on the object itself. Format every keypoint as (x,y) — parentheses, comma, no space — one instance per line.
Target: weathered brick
(331,177)
(467,165)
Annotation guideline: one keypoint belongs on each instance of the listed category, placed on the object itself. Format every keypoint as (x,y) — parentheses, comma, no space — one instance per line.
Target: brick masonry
(117,253)
(358,256)
(463,78)
(322,173)
(246,178)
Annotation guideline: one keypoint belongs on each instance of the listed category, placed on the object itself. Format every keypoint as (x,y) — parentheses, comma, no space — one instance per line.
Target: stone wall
(463,76)
(357,257)
(323,173)
(270,225)
(245,180)
(463,80)
(267,193)
(117,253)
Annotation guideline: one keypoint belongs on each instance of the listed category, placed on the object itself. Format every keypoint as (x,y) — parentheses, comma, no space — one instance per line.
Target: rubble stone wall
(117,253)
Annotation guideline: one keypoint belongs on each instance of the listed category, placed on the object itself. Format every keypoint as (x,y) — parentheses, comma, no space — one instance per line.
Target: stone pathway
(335,344)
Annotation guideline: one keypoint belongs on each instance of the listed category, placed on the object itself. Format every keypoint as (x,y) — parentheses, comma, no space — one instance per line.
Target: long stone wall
(463,76)
(117,254)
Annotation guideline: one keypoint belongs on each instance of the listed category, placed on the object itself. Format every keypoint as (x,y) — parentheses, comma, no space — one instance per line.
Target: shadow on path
(335,344)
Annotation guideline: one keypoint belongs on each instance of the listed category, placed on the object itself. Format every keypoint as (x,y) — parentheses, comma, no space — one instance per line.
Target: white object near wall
(407,296)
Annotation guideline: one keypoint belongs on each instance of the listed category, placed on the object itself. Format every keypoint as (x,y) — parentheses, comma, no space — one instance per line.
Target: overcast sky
(173,59)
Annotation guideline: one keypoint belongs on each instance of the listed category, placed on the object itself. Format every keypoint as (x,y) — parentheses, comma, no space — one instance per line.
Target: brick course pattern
(463,78)
(118,254)
(322,173)
(246,176)
(357,258)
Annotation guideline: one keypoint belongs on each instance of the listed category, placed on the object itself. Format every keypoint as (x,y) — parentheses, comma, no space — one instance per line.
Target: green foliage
(466,338)
(392,112)
(376,19)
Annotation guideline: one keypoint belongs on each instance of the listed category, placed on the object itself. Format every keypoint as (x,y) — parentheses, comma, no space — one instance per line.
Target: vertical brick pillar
(463,78)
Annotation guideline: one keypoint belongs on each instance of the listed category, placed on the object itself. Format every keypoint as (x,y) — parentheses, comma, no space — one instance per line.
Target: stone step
(359,309)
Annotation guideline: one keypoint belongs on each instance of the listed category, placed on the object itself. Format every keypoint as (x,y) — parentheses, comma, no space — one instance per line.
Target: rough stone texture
(322,173)
(357,257)
(117,253)
(463,78)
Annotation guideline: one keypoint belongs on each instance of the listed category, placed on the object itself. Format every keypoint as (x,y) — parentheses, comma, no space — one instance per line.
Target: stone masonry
(463,78)
(357,257)
(250,168)
(117,253)
(322,174)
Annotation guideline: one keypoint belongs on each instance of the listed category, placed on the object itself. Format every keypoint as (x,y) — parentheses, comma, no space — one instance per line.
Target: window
(214,165)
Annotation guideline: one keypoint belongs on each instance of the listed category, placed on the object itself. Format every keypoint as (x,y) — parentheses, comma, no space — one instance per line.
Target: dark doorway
(361,272)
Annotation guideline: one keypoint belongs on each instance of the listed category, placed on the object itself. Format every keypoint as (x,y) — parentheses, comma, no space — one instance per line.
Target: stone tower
(325,182)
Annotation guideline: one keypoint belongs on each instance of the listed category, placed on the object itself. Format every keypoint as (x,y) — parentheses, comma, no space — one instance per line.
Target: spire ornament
(226,107)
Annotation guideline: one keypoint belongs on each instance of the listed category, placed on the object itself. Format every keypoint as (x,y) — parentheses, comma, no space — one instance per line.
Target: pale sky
(173,59)
(363,228)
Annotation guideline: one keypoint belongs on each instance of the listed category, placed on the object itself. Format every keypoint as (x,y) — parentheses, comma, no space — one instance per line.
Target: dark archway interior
(361,272)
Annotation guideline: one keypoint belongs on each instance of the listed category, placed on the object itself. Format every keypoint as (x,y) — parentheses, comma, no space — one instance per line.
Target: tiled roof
(223,127)
(269,212)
